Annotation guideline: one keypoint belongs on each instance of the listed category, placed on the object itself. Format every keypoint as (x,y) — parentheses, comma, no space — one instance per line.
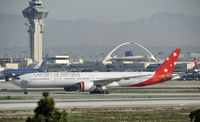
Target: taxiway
(12,97)
(103,103)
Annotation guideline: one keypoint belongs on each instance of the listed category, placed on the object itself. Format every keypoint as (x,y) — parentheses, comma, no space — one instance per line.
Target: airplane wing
(103,82)
(10,72)
(174,76)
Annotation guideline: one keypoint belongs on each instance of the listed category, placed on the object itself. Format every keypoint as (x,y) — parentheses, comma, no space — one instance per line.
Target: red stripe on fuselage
(82,86)
(153,80)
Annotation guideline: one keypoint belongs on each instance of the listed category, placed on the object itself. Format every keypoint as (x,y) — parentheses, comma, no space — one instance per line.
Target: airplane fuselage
(63,79)
(96,81)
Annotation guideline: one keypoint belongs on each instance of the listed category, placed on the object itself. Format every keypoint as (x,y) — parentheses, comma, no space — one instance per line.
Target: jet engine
(82,87)
(71,88)
(87,86)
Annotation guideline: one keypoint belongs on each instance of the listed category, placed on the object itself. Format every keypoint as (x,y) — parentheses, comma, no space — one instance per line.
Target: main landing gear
(99,90)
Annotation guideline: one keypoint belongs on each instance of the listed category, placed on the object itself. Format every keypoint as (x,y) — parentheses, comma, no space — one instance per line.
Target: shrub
(195,115)
(46,111)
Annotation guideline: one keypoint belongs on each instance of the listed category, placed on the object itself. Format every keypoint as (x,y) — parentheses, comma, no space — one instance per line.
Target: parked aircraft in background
(197,69)
(192,74)
(11,73)
(98,82)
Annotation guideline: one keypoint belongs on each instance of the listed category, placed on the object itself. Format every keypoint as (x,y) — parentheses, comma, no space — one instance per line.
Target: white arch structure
(128,43)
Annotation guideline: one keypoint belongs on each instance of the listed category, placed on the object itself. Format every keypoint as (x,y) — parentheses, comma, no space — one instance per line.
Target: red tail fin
(196,63)
(167,67)
(164,72)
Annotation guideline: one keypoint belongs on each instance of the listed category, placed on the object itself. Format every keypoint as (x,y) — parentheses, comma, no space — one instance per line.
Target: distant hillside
(159,29)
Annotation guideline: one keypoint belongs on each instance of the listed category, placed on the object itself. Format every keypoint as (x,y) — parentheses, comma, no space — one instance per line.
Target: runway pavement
(113,100)
(85,100)
(85,95)
(8,86)
(103,103)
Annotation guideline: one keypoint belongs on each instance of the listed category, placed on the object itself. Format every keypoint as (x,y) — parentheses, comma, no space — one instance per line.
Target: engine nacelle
(72,88)
(8,78)
(87,86)
(82,87)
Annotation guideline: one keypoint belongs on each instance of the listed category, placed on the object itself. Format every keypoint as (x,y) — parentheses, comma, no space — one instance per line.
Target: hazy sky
(105,10)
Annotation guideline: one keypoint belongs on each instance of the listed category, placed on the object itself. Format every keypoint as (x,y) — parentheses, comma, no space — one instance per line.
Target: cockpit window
(17,78)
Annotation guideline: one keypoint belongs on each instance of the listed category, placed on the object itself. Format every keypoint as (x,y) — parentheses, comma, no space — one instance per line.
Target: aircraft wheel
(99,92)
(25,91)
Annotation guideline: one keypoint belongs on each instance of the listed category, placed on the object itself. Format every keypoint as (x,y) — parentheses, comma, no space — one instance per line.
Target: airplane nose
(16,81)
(24,83)
(20,81)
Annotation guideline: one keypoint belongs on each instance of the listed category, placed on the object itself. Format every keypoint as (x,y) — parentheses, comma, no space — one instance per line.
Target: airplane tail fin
(164,72)
(196,63)
(167,68)
(42,62)
(38,65)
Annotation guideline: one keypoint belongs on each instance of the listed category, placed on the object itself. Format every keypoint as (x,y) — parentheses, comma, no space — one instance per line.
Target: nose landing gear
(24,86)
(25,91)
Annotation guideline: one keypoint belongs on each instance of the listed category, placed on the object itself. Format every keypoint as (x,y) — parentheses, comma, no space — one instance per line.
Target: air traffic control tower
(35,14)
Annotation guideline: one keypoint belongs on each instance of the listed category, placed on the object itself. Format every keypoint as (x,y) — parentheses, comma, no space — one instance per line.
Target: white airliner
(98,82)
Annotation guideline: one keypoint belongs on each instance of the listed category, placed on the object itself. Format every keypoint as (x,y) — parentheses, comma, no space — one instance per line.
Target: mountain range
(159,29)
